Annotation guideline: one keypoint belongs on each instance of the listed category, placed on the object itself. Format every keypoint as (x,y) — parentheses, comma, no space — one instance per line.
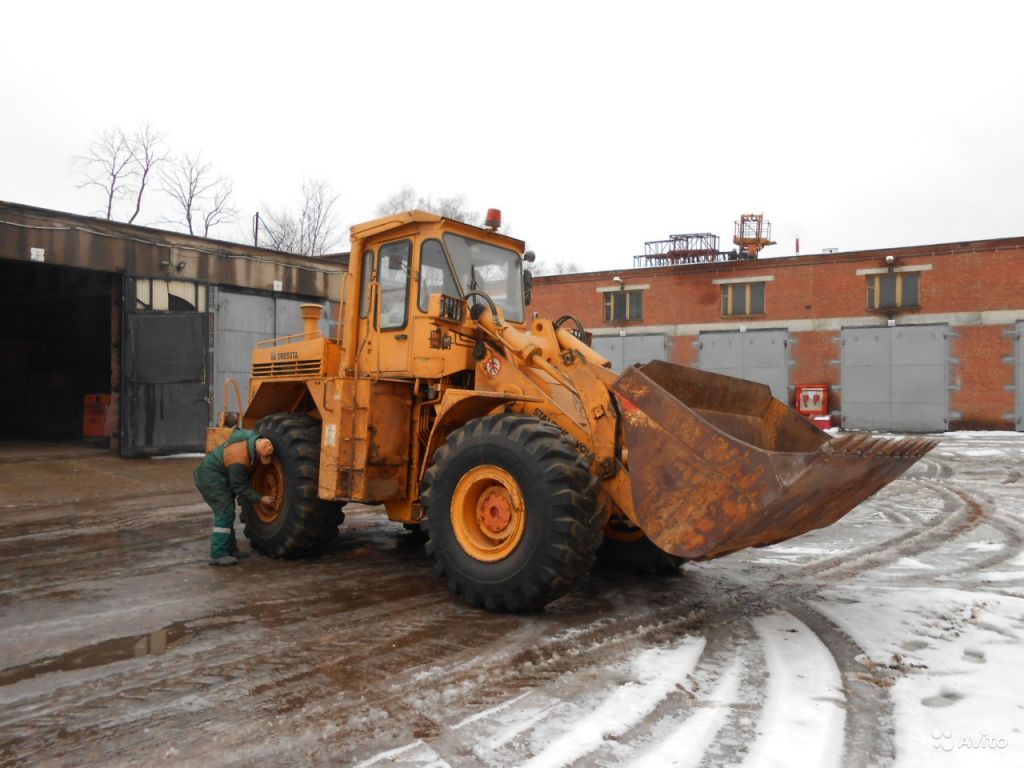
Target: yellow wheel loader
(510,443)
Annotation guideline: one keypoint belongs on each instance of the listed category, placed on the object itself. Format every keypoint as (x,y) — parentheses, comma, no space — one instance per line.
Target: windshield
(490,269)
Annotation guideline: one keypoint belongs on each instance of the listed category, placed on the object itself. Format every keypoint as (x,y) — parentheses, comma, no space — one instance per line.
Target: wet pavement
(119,645)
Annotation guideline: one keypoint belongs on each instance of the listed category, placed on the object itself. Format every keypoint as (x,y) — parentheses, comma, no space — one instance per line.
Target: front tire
(513,518)
(299,524)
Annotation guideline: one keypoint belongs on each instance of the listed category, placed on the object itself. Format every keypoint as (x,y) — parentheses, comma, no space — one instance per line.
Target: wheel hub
(268,480)
(488,513)
(494,511)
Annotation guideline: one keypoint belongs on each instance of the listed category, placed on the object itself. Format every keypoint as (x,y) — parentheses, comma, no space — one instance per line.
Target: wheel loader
(510,444)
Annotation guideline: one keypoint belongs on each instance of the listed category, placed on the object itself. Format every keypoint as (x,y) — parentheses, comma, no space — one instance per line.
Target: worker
(224,475)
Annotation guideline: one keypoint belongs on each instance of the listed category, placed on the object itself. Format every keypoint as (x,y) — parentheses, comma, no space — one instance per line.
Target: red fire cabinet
(812,403)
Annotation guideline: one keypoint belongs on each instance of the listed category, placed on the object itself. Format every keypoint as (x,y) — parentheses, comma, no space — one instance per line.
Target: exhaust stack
(311,314)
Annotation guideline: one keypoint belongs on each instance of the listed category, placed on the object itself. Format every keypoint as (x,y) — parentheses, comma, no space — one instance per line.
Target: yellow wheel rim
(619,528)
(488,513)
(268,480)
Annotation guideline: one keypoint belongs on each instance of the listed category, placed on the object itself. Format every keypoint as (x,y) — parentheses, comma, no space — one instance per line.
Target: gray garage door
(165,385)
(1020,376)
(241,320)
(752,355)
(896,378)
(624,351)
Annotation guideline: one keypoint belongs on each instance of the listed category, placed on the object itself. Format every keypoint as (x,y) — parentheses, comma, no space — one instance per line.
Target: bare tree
(406,199)
(278,230)
(201,197)
(455,207)
(318,222)
(108,166)
(218,208)
(560,267)
(121,165)
(311,232)
(147,152)
(402,200)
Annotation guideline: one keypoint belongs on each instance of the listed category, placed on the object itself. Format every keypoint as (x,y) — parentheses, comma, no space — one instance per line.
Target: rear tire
(626,548)
(513,519)
(299,524)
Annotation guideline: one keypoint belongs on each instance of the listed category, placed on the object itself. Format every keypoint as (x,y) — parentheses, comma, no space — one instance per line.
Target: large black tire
(554,535)
(626,548)
(300,524)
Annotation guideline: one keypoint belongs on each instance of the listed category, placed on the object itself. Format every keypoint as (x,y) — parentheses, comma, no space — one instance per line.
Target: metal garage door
(896,378)
(752,355)
(165,389)
(624,351)
(242,320)
(1020,376)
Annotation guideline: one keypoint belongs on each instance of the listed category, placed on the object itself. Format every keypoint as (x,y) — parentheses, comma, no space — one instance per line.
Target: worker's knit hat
(264,449)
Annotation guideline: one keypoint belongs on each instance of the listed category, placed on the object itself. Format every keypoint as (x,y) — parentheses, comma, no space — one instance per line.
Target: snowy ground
(892,638)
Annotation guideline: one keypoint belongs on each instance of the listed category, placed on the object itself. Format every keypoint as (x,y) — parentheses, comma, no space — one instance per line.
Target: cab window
(393,276)
(485,267)
(435,273)
(364,290)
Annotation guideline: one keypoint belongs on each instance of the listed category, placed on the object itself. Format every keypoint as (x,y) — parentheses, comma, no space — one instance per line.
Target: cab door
(390,317)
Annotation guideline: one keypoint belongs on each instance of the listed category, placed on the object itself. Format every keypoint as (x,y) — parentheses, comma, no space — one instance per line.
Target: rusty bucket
(716,464)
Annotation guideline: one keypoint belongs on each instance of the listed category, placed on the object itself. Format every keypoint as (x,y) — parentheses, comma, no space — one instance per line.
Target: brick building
(923,338)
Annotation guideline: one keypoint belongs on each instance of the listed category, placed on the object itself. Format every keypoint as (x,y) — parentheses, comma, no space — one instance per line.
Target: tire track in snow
(687,744)
(803,719)
(1006,525)
(868,741)
(654,673)
(962,514)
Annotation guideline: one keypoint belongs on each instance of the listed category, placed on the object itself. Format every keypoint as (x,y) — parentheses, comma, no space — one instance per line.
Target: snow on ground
(915,657)
(802,722)
(957,664)
(892,638)
(653,674)
(686,745)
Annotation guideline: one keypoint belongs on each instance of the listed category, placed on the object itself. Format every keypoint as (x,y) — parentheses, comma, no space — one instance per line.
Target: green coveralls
(219,486)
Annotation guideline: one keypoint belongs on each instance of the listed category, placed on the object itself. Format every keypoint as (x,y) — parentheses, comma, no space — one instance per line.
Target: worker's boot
(223,539)
(235,552)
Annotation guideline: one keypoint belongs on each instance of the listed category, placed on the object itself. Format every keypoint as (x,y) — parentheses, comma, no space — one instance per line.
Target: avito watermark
(945,741)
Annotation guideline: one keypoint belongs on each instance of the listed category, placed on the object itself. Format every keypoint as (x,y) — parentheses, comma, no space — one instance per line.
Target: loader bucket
(716,464)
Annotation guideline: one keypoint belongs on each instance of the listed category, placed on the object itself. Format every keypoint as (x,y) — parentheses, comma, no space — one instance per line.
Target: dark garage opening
(55,347)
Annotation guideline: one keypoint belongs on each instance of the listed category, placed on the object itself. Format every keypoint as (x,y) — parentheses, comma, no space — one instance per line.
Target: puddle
(99,654)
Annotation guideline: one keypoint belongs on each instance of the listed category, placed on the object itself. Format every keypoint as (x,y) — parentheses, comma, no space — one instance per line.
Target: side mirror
(527,287)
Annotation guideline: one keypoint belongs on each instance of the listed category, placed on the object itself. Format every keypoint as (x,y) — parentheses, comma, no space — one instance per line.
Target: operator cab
(440,256)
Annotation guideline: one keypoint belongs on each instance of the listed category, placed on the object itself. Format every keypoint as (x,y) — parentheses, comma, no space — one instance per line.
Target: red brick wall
(971,280)
(683,350)
(981,376)
(964,281)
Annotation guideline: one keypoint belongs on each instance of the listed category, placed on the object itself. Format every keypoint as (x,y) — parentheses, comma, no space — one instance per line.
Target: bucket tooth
(716,464)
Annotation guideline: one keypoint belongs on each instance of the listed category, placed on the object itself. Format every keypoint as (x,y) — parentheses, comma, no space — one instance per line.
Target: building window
(894,290)
(742,299)
(623,305)
(169,296)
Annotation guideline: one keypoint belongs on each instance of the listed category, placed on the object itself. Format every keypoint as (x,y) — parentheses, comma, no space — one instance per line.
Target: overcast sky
(593,126)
